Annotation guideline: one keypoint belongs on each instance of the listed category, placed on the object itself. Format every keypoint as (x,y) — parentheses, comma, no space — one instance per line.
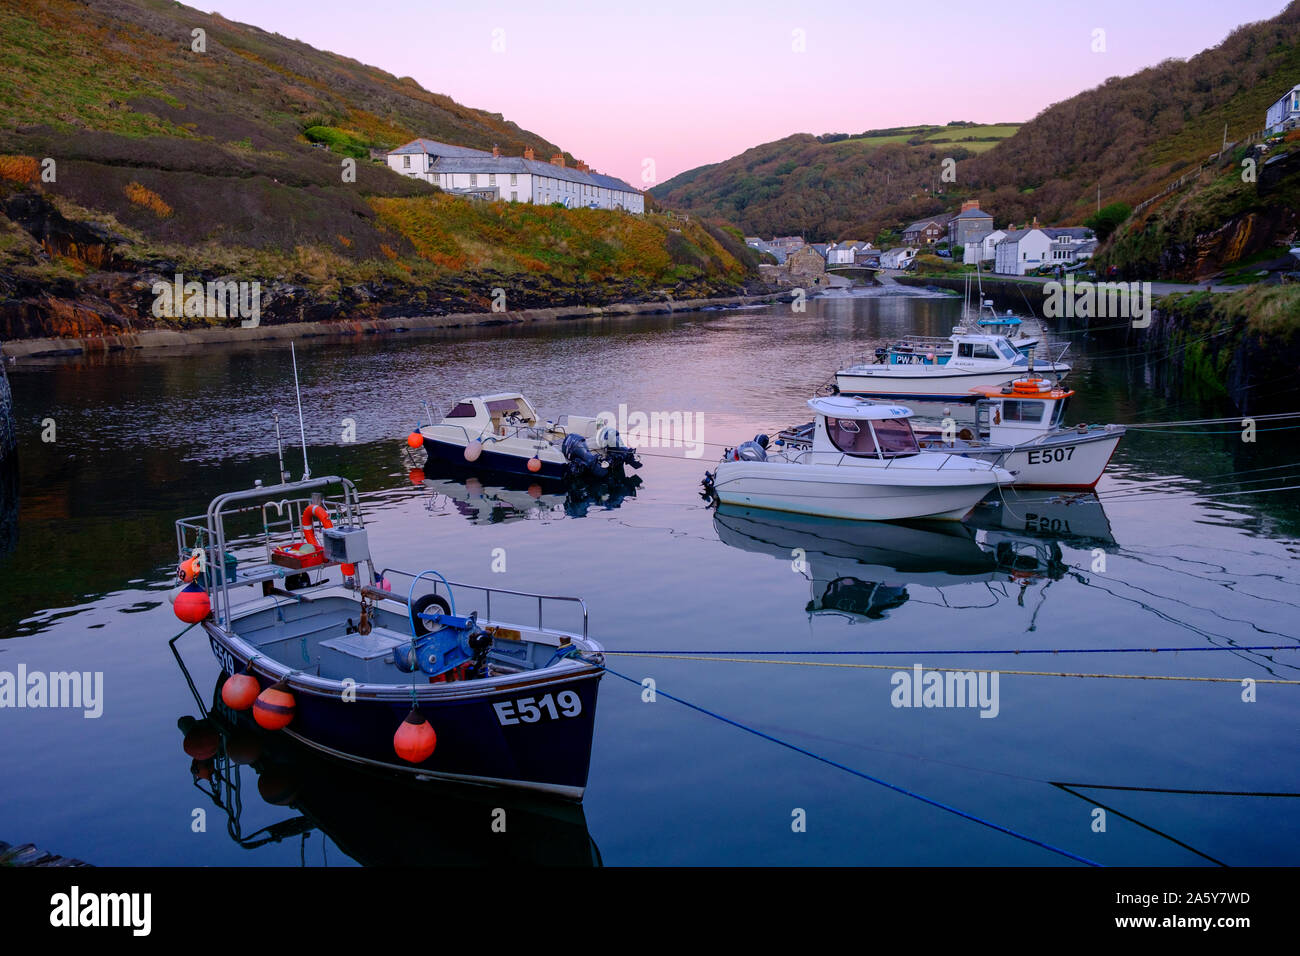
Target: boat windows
(503,405)
(976,350)
(895,437)
(850,436)
(855,437)
(1020,411)
(1007,351)
(461,410)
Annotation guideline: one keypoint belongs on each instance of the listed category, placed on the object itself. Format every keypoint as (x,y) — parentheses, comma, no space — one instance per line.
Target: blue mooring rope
(858,773)
(959,651)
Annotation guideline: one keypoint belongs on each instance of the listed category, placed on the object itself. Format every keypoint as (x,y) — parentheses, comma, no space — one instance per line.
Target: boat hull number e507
(529,710)
(1045,455)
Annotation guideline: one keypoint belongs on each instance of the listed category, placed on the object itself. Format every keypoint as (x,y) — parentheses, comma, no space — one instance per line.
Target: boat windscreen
(895,437)
(461,410)
(851,436)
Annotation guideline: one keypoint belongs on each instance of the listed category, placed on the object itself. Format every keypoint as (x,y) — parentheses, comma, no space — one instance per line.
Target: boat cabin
(967,350)
(1021,411)
(491,414)
(862,429)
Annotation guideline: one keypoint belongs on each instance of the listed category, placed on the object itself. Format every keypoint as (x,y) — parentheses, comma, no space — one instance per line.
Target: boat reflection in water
(375,819)
(507,498)
(862,569)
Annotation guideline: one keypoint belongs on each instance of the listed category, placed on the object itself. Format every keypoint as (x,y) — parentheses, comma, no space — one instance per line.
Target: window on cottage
(514,179)
(406,162)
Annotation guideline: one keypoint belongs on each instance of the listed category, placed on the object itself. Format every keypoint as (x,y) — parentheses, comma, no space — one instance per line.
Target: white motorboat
(503,433)
(973,360)
(1017,427)
(863,462)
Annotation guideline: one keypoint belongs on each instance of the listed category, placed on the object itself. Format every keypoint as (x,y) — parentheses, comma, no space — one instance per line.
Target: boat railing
(280,508)
(488,592)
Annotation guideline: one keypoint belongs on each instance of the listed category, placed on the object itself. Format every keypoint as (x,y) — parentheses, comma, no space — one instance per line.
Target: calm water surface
(1163,558)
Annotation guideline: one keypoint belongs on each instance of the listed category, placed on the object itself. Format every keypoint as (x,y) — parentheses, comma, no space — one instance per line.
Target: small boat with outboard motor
(862,462)
(503,433)
(1017,427)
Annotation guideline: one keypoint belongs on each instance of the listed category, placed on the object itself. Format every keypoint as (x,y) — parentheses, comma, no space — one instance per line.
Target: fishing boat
(972,360)
(1019,427)
(403,671)
(502,433)
(862,462)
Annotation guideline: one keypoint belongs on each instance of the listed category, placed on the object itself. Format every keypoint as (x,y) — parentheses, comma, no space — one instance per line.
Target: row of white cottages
(460,169)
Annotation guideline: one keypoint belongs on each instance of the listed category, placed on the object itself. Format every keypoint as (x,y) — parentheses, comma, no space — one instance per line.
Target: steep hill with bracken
(125,152)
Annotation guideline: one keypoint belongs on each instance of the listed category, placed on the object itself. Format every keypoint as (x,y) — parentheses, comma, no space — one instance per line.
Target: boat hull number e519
(529,710)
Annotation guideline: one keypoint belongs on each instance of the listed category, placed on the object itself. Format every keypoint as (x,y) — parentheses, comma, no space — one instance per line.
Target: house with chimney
(970,225)
(481,174)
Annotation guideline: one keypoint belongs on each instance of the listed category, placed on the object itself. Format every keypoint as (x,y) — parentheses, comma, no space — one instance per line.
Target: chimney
(528,153)
(1035,222)
(970,204)
(582,167)
(558,160)
(496,151)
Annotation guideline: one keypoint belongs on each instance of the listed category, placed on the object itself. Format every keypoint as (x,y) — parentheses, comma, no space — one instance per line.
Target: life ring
(1031,385)
(321,515)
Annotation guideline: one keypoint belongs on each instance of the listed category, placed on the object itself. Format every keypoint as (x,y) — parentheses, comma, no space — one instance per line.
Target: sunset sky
(687,83)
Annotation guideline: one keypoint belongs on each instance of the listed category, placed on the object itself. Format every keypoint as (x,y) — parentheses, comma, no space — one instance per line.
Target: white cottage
(1021,251)
(459,169)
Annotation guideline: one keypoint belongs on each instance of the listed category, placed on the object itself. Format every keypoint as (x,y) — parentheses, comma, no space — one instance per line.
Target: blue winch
(442,641)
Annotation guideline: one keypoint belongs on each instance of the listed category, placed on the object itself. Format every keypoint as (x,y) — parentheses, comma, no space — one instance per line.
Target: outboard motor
(755,450)
(617,455)
(582,463)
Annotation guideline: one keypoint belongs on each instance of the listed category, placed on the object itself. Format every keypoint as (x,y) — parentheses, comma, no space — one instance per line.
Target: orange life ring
(1031,385)
(308,531)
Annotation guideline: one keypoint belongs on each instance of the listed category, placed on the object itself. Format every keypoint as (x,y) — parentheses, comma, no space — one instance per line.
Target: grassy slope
(822,187)
(205,159)
(1130,135)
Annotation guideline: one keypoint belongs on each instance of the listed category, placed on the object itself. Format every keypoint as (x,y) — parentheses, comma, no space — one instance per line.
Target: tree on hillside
(1108,219)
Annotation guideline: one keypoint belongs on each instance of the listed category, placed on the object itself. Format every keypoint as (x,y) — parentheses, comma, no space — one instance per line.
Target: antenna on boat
(279,447)
(302,431)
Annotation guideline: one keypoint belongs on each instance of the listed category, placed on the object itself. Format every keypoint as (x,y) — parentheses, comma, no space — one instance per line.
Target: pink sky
(688,83)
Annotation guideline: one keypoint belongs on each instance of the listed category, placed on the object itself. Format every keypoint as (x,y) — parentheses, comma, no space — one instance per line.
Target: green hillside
(231,161)
(1130,136)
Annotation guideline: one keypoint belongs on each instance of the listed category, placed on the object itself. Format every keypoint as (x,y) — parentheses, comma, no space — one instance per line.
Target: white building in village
(1285,113)
(1021,251)
(459,169)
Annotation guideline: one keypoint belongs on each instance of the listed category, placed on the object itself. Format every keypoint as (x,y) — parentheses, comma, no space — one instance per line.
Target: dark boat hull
(482,738)
(493,461)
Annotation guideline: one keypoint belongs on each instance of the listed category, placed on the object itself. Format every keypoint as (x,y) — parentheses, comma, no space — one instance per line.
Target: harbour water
(1178,772)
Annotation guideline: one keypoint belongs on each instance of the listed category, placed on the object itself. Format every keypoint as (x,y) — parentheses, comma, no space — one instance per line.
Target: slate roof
(436,148)
(517,164)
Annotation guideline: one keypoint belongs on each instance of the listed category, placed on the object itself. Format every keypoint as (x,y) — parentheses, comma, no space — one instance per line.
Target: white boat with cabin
(974,360)
(863,462)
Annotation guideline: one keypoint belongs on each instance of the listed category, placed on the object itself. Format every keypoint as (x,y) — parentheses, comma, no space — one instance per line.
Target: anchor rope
(862,774)
(966,670)
(960,651)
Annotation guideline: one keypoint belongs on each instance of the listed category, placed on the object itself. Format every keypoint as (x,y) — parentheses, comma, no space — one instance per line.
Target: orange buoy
(274,707)
(415,439)
(417,476)
(534,464)
(240,691)
(349,570)
(202,769)
(189,569)
(534,490)
(192,604)
(473,450)
(415,740)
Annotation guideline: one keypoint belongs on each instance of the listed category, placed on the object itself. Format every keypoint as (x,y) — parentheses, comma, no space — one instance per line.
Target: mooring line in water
(964,670)
(1027,650)
(859,773)
(1136,822)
